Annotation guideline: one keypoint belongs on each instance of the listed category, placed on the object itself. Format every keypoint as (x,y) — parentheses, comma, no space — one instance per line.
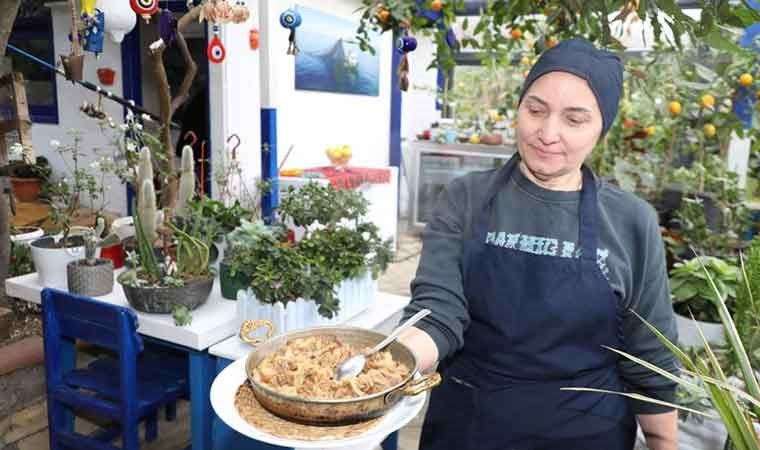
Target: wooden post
(7,18)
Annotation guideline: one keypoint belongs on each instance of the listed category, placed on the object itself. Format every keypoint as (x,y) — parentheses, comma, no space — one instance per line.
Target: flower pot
(355,296)
(688,334)
(492,139)
(163,300)
(106,76)
(26,235)
(26,189)
(73,66)
(92,281)
(229,284)
(49,259)
(115,253)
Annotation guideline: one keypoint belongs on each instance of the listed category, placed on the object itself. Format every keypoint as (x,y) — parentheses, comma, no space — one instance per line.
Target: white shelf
(212,322)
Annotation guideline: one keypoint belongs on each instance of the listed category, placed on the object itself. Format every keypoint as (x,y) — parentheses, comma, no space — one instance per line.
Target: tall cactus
(144,167)
(186,182)
(149,214)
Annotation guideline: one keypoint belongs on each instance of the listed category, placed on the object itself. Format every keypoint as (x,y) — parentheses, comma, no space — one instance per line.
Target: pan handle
(249,326)
(422,384)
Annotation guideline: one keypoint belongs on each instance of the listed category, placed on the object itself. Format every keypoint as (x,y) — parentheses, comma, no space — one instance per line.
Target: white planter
(51,263)
(355,296)
(29,234)
(688,334)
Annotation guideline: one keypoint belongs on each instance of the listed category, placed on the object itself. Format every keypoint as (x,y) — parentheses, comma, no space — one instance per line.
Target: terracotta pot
(106,76)
(26,189)
(73,67)
(115,253)
(491,139)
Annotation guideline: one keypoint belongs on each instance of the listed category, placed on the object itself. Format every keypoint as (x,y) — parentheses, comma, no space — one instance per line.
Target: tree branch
(167,105)
(187,81)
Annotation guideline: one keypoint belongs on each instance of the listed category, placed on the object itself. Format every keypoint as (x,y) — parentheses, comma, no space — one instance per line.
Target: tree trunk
(167,105)
(7,18)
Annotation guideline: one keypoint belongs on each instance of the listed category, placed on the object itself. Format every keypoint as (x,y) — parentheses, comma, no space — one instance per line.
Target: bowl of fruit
(339,156)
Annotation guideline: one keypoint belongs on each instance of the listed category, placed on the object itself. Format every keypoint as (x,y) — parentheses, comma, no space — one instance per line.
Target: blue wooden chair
(124,390)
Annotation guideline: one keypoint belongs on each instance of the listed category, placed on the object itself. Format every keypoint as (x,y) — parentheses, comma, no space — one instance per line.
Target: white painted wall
(235,99)
(313,121)
(71,96)
(418,103)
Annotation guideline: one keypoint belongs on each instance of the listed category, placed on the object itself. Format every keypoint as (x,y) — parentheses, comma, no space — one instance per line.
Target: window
(34,35)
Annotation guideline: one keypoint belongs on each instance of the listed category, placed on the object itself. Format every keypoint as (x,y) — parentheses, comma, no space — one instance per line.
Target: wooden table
(212,322)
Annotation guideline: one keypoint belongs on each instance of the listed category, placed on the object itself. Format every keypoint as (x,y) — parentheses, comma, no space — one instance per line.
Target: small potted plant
(235,268)
(92,276)
(326,275)
(27,174)
(65,197)
(175,277)
(694,296)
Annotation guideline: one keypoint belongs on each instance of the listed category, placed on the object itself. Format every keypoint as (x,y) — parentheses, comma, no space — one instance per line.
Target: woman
(531,269)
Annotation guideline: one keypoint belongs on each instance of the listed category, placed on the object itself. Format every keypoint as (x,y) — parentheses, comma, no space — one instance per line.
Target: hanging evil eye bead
(290,19)
(144,8)
(215,50)
(406,44)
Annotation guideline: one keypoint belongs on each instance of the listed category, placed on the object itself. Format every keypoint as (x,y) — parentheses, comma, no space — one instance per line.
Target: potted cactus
(92,276)
(170,265)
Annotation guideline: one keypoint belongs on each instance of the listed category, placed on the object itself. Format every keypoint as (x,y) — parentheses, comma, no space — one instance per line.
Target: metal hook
(234,149)
(203,168)
(192,135)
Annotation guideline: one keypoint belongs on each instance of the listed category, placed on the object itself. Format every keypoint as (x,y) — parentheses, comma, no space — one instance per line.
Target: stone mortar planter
(163,300)
(92,281)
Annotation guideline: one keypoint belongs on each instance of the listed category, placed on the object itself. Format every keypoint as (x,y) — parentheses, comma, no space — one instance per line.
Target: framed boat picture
(329,58)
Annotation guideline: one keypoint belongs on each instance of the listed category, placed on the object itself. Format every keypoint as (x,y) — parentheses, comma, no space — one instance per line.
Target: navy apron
(538,323)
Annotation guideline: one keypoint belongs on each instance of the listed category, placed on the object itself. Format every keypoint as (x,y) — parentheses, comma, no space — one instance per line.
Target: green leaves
(700,289)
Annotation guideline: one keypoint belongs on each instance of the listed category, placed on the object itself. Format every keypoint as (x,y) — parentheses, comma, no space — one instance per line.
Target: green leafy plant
(93,240)
(337,245)
(81,183)
(747,310)
(738,407)
(693,292)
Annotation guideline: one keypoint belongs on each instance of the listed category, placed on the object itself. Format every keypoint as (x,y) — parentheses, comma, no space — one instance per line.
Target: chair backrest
(76,317)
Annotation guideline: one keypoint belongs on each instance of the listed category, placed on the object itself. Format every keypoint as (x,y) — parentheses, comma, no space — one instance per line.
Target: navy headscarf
(601,69)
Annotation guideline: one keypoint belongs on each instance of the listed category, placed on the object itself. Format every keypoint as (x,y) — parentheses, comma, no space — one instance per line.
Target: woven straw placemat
(252,412)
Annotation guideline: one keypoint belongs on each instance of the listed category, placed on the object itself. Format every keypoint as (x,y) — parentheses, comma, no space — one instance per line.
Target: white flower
(123,127)
(55,143)
(111,123)
(138,127)
(131,146)
(365,236)
(146,117)
(95,165)
(16,150)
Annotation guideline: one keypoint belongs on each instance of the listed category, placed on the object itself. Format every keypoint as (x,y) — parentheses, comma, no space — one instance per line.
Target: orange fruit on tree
(650,130)
(746,80)
(675,108)
(709,130)
(707,101)
(525,61)
(525,74)
(384,15)
(516,33)
(436,5)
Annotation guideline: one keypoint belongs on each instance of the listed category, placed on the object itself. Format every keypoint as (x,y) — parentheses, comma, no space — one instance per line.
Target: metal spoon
(353,366)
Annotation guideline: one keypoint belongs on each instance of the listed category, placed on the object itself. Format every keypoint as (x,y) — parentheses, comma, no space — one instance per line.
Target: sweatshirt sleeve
(651,300)
(438,284)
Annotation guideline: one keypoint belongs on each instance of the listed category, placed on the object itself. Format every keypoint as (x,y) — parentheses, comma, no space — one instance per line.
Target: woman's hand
(660,430)
(422,345)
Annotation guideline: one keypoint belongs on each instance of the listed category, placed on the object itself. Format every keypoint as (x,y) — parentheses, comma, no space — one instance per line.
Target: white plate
(228,381)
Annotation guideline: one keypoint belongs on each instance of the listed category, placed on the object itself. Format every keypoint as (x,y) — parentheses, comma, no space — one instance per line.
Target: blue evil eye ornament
(406,44)
(291,19)
(92,35)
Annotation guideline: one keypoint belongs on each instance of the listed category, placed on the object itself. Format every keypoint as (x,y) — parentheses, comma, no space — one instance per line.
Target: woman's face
(558,124)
